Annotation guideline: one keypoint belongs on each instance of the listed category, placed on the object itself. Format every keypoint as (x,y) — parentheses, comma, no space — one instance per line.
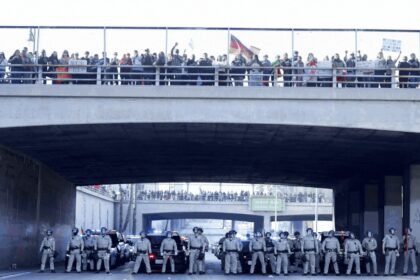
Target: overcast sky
(401,14)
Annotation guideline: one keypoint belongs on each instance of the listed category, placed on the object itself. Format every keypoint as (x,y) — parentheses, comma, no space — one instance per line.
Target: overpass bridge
(364,143)
(148,211)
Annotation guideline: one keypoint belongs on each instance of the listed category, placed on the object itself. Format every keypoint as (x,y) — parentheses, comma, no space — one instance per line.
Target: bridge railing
(215,75)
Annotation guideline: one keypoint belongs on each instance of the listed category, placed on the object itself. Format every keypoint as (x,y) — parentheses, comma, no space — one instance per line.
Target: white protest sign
(77,62)
(391,45)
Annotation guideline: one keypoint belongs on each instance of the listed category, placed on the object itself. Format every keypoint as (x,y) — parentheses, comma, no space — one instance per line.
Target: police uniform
(309,248)
(231,250)
(142,249)
(196,245)
(353,249)
(75,247)
(370,245)
(103,247)
(269,244)
(296,246)
(87,255)
(330,247)
(391,246)
(202,262)
(168,249)
(409,243)
(282,250)
(47,250)
(257,246)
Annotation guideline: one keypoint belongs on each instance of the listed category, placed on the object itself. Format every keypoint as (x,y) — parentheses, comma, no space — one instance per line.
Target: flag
(236,47)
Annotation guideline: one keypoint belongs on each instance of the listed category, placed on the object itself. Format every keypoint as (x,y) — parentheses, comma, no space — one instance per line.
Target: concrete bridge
(363,143)
(148,211)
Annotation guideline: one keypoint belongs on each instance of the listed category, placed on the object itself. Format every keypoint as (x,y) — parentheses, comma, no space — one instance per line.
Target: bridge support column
(371,211)
(392,203)
(267,222)
(412,199)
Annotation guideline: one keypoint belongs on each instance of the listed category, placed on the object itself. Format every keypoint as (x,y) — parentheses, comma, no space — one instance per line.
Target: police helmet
(227,234)
(309,229)
(297,233)
(282,234)
(103,230)
(88,231)
(268,234)
(75,230)
(391,230)
(331,232)
(169,234)
(286,233)
(195,229)
(258,234)
(49,232)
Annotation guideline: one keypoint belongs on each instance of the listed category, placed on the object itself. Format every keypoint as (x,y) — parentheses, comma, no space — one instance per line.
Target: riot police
(202,258)
(352,252)
(103,247)
(390,248)
(88,255)
(142,249)
(309,248)
(196,246)
(231,250)
(47,250)
(410,251)
(282,250)
(74,249)
(257,246)
(330,247)
(269,253)
(168,250)
(297,250)
(369,244)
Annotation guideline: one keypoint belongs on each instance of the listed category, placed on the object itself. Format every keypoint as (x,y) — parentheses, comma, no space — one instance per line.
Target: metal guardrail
(216,75)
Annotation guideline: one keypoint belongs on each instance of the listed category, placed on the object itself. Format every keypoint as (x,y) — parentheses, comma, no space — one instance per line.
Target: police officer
(390,248)
(240,246)
(202,260)
(196,245)
(269,244)
(168,250)
(47,250)
(282,250)
(330,247)
(103,248)
(231,250)
(318,255)
(142,249)
(74,249)
(410,251)
(297,250)
(310,248)
(87,255)
(353,251)
(257,246)
(369,244)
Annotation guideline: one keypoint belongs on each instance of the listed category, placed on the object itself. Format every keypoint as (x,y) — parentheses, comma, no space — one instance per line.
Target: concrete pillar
(341,208)
(233,224)
(297,226)
(392,215)
(414,199)
(371,205)
(267,222)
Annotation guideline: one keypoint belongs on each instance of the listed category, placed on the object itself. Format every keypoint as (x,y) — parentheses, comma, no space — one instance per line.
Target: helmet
(268,234)
(88,231)
(169,234)
(309,230)
(75,231)
(286,233)
(392,230)
(282,234)
(103,230)
(195,229)
(297,233)
(49,232)
(258,234)
(331,232)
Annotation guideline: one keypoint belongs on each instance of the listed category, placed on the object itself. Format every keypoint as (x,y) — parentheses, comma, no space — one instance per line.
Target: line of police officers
(308,249)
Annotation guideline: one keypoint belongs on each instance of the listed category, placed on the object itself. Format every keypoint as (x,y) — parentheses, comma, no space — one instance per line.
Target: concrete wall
(93,210)
(32,199)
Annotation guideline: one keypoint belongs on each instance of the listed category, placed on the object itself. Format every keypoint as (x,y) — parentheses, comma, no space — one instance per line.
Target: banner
(236,47)
(77,62)
(391,45)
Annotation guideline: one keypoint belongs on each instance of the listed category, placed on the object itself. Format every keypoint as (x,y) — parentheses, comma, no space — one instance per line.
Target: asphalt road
(213,271)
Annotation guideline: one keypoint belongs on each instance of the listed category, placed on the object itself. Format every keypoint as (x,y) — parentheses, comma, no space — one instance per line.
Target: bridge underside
(159,152)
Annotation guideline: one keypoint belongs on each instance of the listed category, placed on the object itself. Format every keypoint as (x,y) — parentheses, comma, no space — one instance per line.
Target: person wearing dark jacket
(16,69)
(404,72)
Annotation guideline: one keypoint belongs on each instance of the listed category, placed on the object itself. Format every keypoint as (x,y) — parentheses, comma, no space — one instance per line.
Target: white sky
(402,14)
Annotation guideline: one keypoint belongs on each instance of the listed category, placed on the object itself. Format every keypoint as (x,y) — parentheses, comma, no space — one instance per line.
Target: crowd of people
(241,196)
(150,68)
